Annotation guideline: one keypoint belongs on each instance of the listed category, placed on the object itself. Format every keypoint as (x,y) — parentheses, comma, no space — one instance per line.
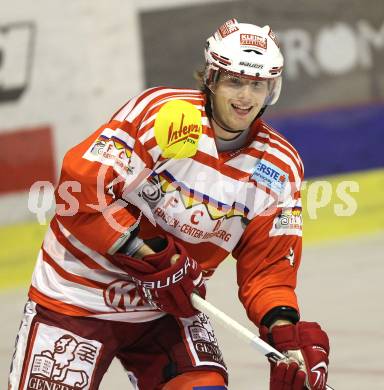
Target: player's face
(237,101)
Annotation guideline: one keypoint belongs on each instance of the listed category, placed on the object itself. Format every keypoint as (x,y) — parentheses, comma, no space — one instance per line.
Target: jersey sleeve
(99,204)
(268,257)
(94,176)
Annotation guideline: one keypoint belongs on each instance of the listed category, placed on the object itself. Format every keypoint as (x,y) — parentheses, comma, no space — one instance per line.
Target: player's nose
(245,93)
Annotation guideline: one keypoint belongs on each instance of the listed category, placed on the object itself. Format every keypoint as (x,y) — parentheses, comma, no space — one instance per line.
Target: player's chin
(244,123)
(241,122)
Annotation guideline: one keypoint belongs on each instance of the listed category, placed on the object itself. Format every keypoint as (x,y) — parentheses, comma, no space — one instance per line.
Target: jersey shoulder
(279,150)
(150,101)
(167,122)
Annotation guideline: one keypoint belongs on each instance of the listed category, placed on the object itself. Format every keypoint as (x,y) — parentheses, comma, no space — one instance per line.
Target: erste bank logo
(270,176)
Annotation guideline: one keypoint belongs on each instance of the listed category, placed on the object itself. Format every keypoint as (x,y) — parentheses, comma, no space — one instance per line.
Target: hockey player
(148,206)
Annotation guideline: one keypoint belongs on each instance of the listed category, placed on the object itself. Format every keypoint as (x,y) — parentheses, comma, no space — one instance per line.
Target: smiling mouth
(241,110)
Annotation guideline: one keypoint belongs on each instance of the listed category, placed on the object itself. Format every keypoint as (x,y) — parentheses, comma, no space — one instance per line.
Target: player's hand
(306,347)
(165,284)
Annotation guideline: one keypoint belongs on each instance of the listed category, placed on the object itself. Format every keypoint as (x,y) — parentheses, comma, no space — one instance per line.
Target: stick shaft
(232,325)
(236,328)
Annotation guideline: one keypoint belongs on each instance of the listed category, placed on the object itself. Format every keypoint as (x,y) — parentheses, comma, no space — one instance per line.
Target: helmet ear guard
(275,90)
(210,75)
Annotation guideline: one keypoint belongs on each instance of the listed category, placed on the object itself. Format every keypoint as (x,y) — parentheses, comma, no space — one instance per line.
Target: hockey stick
(242,332)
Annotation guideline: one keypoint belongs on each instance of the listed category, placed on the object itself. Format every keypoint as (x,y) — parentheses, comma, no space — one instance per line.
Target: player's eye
(231,80)
(258,84)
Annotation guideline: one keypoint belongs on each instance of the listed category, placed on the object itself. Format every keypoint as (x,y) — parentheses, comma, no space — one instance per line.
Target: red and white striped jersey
(156,163)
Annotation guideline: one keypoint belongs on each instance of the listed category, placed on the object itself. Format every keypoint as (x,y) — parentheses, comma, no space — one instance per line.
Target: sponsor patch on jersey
(270,176)
(110,150)
(178,128)
(60,360)
(288,222)
(122,295)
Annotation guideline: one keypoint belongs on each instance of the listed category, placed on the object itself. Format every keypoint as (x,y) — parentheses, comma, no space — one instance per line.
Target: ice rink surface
(340,285)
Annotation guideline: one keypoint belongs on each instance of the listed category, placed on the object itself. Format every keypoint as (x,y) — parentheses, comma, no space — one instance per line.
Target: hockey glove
(306,347)
(164,285)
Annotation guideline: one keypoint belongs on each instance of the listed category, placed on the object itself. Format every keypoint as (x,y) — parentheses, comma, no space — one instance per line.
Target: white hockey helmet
(245,50)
